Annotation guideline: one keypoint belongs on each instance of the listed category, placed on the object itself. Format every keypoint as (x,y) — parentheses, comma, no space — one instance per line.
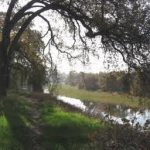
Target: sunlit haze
(94,65)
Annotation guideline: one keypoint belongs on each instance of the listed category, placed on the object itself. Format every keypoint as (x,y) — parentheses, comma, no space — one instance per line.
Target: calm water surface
(116,113)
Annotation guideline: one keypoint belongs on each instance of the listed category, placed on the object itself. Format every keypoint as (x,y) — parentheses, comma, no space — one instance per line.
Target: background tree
(73,78)
(90,82)
(115,81)
(29,56)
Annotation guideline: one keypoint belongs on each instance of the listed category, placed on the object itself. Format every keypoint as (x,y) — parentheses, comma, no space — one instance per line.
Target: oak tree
(123,27)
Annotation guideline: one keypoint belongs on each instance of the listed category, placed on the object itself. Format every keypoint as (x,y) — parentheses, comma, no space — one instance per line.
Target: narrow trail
(36,125)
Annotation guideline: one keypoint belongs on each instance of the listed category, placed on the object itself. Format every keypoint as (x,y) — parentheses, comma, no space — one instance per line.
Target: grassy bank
(7,141)
(14,123)
(103,97)
(62,129)
(67,130)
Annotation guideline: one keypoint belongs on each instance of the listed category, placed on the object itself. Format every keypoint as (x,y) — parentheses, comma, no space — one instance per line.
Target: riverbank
(104,97)
(31,120)
(36,120)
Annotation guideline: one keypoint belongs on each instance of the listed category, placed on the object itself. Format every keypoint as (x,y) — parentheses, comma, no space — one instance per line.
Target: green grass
(7,141)
(103,97)
(67,129)
(57,117)
(14,123)
(62,128)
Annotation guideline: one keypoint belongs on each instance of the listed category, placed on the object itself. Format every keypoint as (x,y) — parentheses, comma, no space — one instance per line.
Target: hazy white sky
(95,65)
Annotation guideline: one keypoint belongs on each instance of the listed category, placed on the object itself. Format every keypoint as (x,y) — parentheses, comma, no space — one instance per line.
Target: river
(116,113)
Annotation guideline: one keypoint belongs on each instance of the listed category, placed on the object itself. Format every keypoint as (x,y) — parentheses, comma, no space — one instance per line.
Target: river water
(116,113)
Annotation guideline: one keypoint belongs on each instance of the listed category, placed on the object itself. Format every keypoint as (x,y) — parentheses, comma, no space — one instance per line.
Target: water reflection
(117,113)
(45,90)
(72,101)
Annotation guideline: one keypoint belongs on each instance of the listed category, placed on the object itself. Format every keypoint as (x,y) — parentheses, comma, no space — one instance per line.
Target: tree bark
(37,88)
(4,72)
(4,77)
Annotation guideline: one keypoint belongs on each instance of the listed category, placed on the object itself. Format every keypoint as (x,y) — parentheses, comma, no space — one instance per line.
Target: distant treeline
(133,83)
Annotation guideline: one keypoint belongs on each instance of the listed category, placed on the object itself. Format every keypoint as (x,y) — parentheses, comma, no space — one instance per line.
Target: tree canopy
(123,27)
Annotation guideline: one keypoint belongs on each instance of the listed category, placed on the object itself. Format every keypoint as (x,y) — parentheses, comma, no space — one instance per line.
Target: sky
(94,65)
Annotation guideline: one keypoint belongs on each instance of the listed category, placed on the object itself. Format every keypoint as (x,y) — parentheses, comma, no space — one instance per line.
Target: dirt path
(36,125)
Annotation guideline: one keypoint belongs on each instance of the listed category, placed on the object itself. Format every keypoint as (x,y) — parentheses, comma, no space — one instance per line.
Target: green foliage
(136,86)
(114,81)
(37,77)
(90,82)
(139,84)
(29,70)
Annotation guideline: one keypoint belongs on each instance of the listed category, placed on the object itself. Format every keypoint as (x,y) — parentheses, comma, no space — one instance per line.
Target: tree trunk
(37,88)
(4,74)
(3,81)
